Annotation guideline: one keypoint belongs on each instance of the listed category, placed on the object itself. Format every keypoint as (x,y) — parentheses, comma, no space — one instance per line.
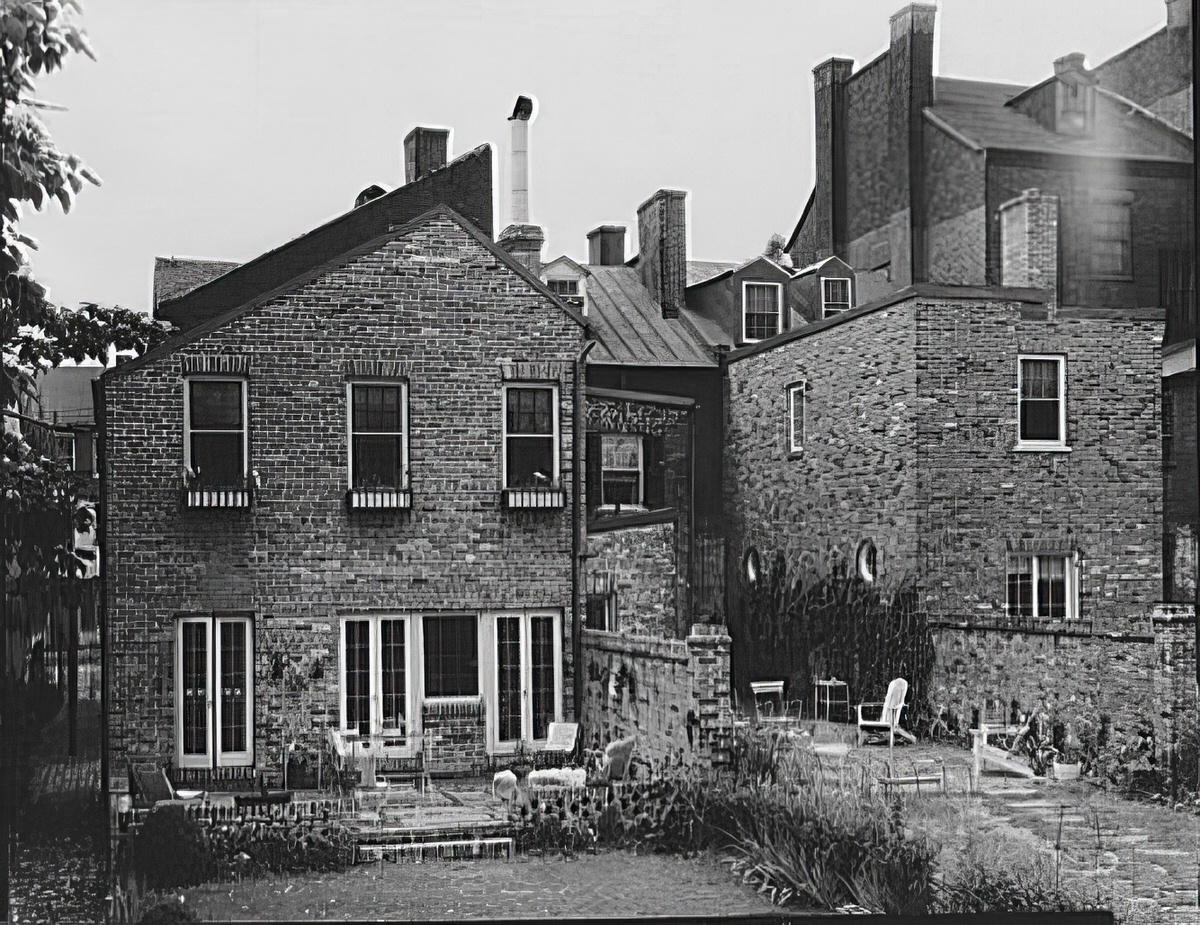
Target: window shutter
(656,488)
(593,470)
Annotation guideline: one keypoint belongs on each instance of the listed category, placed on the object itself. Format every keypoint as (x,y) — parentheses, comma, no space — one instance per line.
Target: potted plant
(1068,759)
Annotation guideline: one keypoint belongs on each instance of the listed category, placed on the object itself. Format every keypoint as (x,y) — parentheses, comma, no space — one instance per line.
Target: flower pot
(1066,770)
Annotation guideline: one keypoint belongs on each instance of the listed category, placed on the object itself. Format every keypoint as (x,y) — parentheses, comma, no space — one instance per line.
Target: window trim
(187,419)
(778,287)
(794,389)
(1108,199)
(1071,579)
(212,756)
(1059,445)
(640,504)
(414,681)
(553,494)
(401,495)
(825,301)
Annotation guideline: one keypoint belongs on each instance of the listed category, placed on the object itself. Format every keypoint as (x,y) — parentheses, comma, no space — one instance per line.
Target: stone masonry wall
(641,560)
(437,305)
(673,694)
(978,494)
(854,478)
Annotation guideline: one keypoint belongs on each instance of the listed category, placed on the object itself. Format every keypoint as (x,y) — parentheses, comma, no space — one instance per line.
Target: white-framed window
(450,650)
(214,691)
(376,678)
(216,441)
(622,470)
(867,561)
(1041,402)
(1112,235)
(796,416)
(531,446)
(563,287)
(526,670)
(377,444)
(835,296)
(1042,585)
(762,310)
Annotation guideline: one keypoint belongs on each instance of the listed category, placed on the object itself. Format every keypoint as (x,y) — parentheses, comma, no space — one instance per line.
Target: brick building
(342,497)
(981,430)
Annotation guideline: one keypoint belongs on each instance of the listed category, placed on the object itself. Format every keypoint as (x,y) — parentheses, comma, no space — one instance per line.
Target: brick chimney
(910,91)
(606,246)
(828,214)
(521,239)
(1074,96)
(425,150)
(662,248)
(1029,243)
(1179,14)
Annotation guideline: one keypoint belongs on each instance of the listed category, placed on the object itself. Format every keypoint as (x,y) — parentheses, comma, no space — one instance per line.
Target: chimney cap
(607,229)
(1071,64)
(917,17)
(523,110)
(426,130)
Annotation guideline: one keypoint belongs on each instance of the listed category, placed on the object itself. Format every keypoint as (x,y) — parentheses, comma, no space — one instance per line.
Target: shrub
(170,849)
(168,912)
(984,888)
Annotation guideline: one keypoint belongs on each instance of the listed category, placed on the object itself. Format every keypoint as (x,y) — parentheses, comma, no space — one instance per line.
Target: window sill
(1041,448)
(196,497)
(533,497)
(611,509)
(379,498)
(602,524)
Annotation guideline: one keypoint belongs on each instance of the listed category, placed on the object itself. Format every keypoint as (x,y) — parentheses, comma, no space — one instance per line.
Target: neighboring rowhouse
(917,178)
(341,498)
(986,437)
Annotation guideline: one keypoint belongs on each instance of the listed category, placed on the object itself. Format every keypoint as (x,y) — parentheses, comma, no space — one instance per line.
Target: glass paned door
(527,672)
(214,702)
(375,678)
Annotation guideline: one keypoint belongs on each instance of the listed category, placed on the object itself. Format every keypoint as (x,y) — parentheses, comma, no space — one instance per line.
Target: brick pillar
(709,649)
(524,242)
(1029,243)
(829,196)
(425,150)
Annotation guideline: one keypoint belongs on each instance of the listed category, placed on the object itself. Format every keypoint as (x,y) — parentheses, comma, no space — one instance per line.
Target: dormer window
(762,311)
(563,287)
(835,296)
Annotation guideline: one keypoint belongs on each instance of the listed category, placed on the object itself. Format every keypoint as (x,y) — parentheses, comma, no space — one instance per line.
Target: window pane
(1039,378)
(621,488)
(234,692)
(216,405)
(796,400)
(762,311)
(377,408)
(451,657)
(620,451)
(837,290)
(195,688)
(217,458)
(508,678)
(1052,587)
(377,462)
(527,456)
(1020,586)
(357,692)
(1039,420)
(529,411)
(541,648)
(392,674)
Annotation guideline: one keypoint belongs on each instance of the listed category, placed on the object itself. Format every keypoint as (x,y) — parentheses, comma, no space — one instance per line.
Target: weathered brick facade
(431,304)
(910,442)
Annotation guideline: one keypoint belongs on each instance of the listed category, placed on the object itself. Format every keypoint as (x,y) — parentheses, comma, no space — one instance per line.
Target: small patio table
(832,692)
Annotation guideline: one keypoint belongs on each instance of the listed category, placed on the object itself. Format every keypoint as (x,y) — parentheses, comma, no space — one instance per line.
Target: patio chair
(151,787)
(877,719)
(560,746)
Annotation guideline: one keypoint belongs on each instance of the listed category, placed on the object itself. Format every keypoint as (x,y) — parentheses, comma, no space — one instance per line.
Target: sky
(224,128)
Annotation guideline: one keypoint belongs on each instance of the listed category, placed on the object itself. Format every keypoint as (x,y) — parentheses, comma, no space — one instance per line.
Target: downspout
(577,464)
(102,617)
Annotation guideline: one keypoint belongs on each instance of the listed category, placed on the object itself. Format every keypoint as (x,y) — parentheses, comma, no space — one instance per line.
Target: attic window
(762,311)
(563,287)
(835,296)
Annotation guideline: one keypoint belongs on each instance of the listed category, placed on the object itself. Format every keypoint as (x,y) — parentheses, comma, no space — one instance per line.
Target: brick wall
(1157,68)
(456,730)
(444,309)
(673,694)
(641,561)
(1103,498)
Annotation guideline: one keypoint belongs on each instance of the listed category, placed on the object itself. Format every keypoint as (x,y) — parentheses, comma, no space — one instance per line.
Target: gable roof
(731,269)
(700,271)
(464,186)
(983,114)
(628,324)
(177,276)
(567,262)
(196,331)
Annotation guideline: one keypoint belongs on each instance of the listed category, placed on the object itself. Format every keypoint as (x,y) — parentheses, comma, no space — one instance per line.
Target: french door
(214,697)
(527,692)
(376,679)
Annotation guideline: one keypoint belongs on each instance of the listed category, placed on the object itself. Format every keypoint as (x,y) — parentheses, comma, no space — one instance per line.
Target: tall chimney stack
(521,239)
(606,246)
(829,197)
(662,248)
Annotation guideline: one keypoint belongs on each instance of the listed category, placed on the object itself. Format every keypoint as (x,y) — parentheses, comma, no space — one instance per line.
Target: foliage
(812,617)
(170,849)
(980,887)
(168,912)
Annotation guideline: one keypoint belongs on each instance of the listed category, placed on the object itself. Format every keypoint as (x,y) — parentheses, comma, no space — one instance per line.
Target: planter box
(1065,771)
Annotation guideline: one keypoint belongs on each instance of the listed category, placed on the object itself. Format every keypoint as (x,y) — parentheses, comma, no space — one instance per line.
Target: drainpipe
(577,465)
(101,413)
